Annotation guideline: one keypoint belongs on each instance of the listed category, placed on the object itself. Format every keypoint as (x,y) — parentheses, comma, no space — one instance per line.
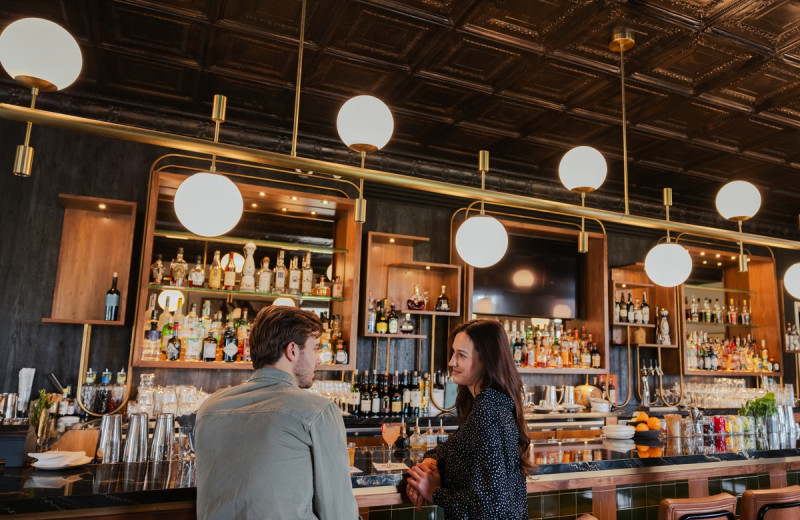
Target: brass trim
(301,43)
(23,161)
(140,135)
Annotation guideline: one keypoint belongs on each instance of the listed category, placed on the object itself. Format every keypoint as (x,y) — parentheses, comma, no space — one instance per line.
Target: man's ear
(291,351)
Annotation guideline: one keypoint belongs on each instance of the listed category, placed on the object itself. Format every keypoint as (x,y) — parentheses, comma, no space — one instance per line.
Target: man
(266,448)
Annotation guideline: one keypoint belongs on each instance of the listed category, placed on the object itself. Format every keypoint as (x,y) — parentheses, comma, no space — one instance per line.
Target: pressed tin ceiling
(712,87)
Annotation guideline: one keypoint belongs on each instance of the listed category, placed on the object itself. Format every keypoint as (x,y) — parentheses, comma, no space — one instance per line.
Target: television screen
(537,277)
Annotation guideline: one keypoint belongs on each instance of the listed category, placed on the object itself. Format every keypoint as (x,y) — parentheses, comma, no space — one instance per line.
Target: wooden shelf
(717,289)
(430,313)
(236,365)
(393,336)
(558,371)
(83,322)
(222,294)
(631,285)
(730,325)
(718,373)
(627,324)
(287,246)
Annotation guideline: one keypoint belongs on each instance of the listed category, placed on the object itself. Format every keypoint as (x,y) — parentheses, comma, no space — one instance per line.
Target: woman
(479,473)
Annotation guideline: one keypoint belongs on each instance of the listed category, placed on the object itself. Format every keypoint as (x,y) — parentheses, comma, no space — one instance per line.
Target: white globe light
(668,264)
(284,301)
(481,241)
(791,280)
(202,191)
(40,53)
(365,123)
(582,169)
(738,200)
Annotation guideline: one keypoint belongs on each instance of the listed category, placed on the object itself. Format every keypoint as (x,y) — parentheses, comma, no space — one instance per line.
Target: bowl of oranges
(646,427)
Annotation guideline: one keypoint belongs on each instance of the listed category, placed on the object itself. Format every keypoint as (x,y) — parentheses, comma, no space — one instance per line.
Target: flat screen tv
(537,277)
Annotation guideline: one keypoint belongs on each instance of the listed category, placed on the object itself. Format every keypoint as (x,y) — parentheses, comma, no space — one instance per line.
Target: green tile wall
(793,478)
(640,501)
(562,505)
(738,485)
(401,512)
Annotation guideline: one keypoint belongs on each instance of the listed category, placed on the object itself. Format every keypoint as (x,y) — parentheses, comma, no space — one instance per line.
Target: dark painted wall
(80,164)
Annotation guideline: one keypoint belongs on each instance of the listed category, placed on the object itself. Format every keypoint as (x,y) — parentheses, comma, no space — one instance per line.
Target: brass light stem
(742,256)
(361,203)
(624,127)
(34,94)
(299,76)
(218,116)
(667,204)
(23,160)
(483,167)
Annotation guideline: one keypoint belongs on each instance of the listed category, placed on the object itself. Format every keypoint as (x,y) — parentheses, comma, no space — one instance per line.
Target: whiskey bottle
(279,276)
(337,287)
(177,270)
(112,301)
(623,310)
(157,270)
(215,273)
(307,276)
(229,276)
(264,276)
(443,302)
(209,348)
(407,326)
(415,302)
(645,309)
(198,273)
(382,323)
(637,312)
(294,277)
(393,324)
(617,309)
(340,356)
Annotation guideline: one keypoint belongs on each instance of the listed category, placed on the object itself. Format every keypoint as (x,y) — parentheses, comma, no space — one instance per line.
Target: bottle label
(355,398)
(230,278)
(215,279)
(397,406)
(197,278)
(209,350)
(366,404)
(325,356)
(112,300)
(294,280)
(416,398)
(376,405)
(308,281)
(193,348)
(341,357)
(231,349)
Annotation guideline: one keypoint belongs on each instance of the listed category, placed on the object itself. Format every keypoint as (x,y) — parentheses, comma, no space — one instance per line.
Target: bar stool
(771,504)
(716,507)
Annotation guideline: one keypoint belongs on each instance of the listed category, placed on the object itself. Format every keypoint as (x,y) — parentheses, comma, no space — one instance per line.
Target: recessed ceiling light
(101,206)
(427,268)
(325,202)
(253,205)
(719,264)
(705,262)
(261,193)
(283,209)
(294,197)
(391,241)
(702,253)
(718,255)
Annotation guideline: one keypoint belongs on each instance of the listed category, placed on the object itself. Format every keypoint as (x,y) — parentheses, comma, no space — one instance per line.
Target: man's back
(266,449)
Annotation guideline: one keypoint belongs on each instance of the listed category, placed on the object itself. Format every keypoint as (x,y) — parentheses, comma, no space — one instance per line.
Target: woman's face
(466,364)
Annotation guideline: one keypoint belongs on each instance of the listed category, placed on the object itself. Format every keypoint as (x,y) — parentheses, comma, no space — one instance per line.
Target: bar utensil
(136,441)
(10,407)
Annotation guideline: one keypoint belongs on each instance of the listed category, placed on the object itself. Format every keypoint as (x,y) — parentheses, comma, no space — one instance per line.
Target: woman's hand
(425,480)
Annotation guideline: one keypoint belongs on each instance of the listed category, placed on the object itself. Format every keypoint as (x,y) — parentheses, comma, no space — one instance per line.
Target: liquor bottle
(415,302)
(415,395)
(152,337)
(174,344)
(325,354)
(406,391)
(177,270)
(375,396)
(623,310)
(215,272)
(243,337)
(732,314)
(382,324)
(617,309)
(178,315)
(443,302)
(707,313)
(230,344)
(193,334)
(279,276)
(264,276)
(645,309)
(89,391)
(403,442)
(386,396)
(354,399)
(112,301)
(157,270)
(612,392)
(407,326)
(372,316)
(745,314)
(595,356)
(694,315)
(430,436)
(294,277)
(340,356)
(209,348)
(366,396)
(198,273)
(103,393)
(631,315)
(417,440)
(229,275)
(393,323)
(396,396)
(307,276)
(637,312)
(337,287)
(441,435)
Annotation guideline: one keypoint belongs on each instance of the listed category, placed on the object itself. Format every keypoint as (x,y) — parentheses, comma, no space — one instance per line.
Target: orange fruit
(642,448)
(642,427)
(642,417)
(644,454)
(656,452)
(654,423)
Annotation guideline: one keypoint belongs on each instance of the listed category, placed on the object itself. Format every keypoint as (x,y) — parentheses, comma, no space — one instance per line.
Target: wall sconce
(582,170)
(41,55)
(668,264)
(482,240)
(365,124)
(207,190)
(739,201)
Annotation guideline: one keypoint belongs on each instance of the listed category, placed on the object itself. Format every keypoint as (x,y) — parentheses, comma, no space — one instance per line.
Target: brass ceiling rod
(191,144)
(296,121)
(621,41)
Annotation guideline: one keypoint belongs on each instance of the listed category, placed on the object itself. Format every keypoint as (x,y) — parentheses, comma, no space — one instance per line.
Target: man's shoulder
(249,398)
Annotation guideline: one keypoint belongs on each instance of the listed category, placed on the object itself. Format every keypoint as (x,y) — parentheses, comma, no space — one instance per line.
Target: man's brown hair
(277,326)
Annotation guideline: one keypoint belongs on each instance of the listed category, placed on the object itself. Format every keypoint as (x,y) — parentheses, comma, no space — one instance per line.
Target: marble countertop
(29,490)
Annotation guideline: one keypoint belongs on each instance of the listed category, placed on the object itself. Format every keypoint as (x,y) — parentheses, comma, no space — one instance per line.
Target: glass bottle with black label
(112,301)
(366,396)
(230,344)
(397,396)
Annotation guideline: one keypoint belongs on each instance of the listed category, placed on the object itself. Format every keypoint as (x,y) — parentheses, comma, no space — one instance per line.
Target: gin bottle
(294,277)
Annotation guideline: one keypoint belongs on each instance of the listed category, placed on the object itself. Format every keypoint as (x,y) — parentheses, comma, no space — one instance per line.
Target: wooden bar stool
(722,506)
(771,504)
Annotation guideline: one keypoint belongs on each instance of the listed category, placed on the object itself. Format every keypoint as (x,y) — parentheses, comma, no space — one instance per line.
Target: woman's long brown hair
(499,372)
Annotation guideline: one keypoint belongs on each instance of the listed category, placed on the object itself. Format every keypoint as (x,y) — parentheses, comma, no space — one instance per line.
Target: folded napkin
(54,457)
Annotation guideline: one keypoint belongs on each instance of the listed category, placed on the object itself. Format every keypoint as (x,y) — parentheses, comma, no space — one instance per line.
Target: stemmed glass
(390,433)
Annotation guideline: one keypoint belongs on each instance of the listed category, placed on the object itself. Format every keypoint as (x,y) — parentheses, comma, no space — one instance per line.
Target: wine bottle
(215,273)
(229,276)
(112,301)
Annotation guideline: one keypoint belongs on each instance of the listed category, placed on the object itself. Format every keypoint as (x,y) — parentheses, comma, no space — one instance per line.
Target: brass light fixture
(41,55)
(621,41)
(481,241)
(582,170)
(668,264)
(365,125)
(739,201)
(209,189)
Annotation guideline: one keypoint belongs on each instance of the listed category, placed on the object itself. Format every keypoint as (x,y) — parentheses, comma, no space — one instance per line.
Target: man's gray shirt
(267,449)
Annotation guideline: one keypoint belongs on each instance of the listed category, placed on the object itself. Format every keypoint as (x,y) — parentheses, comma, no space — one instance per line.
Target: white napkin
(53,458)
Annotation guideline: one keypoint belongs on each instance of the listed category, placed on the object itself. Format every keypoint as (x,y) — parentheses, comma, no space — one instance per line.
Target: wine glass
(390,433)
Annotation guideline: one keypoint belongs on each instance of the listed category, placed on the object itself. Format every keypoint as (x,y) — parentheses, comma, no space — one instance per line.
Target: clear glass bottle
(243,336)
(264,276)
(198,273)
(215,273)
(294,276)
(441,435)
(443,302)
(406,325)
(745,315)
(637,312)
(229,275)
(416,302)
(279,276)
(337,287)
(430,436)
(340,356)
(178,269)
(89,390)
(417,440)
(157,270)
(325,354)
(372,316)
(307,276)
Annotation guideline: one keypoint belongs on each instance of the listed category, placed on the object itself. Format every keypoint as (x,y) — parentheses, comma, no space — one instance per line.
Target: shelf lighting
(294,197)
(101,206)
(41,55)
(253,205)
(668,264)
(582,170)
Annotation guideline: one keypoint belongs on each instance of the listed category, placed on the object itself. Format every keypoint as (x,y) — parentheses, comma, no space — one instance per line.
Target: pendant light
(43,56)
(739,201)
(582,170)
(365,125)
(668,264)
(481,241)
(209,190)
(791,280)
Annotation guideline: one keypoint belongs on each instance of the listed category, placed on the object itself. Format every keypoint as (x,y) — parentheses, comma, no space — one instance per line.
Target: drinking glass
(163,444)
(136,440)
(186,442)
(110,439)
(390,433)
